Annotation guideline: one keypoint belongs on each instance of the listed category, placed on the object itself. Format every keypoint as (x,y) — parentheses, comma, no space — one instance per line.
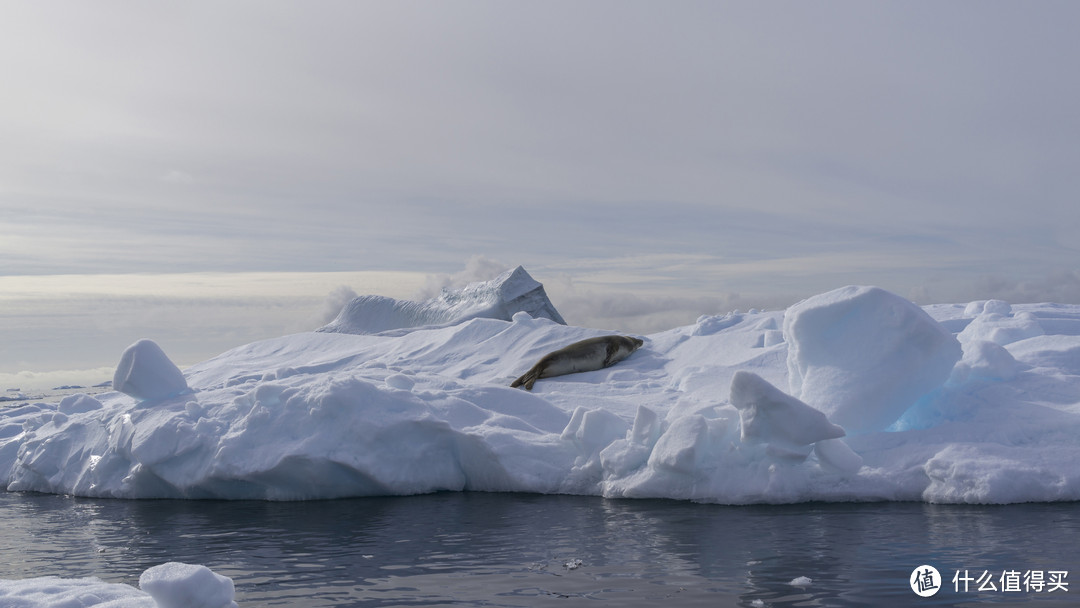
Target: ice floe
(856,394)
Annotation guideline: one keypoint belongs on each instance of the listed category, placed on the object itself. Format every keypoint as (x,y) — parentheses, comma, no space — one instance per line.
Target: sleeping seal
(585,356)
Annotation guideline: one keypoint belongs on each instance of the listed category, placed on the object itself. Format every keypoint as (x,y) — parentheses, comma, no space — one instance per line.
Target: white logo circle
(925,581)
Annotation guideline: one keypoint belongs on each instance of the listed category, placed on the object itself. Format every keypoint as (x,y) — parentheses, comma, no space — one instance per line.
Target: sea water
(476,549)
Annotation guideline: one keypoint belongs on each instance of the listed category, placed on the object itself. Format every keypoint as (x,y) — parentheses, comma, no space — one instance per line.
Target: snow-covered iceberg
(942,407)
(500,298)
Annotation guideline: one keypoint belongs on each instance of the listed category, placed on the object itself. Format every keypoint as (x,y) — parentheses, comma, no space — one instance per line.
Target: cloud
(673,161)
(645,313)
(477,268)
(602,294)
(176,176)
(1059,286)
(338,298)
(82,321)
(324,122)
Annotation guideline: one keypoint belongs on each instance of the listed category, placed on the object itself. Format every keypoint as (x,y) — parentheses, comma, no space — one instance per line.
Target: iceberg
(500,298)
(882,402)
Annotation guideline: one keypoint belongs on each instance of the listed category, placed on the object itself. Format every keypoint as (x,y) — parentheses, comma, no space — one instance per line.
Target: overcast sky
(684,155)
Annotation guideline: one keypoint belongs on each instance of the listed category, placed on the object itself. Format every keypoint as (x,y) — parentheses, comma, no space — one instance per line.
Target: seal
(585,356)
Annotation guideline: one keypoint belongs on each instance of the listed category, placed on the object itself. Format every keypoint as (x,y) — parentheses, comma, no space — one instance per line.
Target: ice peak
(500,298)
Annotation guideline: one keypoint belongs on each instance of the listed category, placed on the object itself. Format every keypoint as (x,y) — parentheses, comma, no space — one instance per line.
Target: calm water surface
(473,549)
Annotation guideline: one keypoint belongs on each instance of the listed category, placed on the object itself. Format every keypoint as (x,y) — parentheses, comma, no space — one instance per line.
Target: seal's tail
(528,380)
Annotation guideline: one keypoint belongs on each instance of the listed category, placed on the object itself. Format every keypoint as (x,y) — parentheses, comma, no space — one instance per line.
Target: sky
(222,172)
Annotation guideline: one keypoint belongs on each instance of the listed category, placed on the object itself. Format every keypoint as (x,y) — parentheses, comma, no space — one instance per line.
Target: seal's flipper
(528,379)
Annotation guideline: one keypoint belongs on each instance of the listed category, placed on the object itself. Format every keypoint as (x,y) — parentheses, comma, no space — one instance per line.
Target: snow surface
(855,394)
(500,298)
(171,585)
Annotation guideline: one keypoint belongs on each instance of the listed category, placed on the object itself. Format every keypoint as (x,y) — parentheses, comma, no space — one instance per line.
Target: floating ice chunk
(863,355)
(834,454)
(56,592)
(146,373)
(177,585)
(770,416)
(171,585)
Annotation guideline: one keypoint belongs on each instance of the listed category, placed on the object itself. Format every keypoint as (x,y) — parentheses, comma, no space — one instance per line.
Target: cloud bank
(655,161)
(393,135)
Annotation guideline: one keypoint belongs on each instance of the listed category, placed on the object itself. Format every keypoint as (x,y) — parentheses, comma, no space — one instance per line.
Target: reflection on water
(521,550)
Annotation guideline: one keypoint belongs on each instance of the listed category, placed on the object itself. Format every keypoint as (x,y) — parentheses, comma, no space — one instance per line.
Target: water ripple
(475,549)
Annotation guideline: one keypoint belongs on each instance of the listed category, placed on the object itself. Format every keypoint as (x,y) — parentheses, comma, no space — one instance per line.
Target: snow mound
(1001,328)
(511,292)
(171,585)
(864,355)
(145,372)
(978,307)
(984,360)
(770,416)
(696,413)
